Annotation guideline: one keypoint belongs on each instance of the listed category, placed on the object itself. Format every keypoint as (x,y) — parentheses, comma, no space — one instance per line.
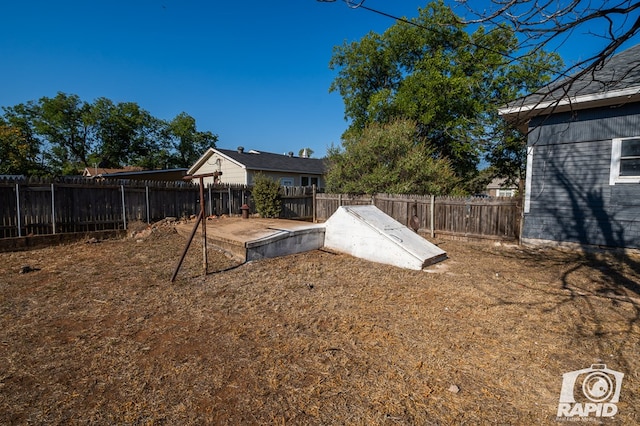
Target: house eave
(595,100)
(205,157)
(263,169)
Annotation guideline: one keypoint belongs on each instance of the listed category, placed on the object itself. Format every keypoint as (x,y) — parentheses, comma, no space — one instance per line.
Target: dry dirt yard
(97,334)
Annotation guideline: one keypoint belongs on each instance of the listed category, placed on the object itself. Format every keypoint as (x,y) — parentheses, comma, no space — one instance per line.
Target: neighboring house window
(506,192)
(309,181)
(286,181)
(625,161)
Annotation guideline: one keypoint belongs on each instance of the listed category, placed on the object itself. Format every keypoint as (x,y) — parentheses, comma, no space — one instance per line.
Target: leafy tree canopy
(446,78)
(389,158)
(19,147)
(62,135)
(186,141)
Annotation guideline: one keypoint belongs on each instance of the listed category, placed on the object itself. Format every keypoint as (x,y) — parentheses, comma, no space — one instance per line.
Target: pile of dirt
(141,231)
(96,333)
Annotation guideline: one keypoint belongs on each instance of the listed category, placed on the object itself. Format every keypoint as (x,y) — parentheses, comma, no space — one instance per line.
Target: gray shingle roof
(619,73)
(268,161)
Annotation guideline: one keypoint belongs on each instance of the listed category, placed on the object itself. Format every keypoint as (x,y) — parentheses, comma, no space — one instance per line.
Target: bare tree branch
(605,27)
(550,23)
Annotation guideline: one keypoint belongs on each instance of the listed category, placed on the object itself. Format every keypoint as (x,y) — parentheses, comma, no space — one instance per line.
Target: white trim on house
(527,182)
(205,157)
(575,102)
(226,157)
(614,169)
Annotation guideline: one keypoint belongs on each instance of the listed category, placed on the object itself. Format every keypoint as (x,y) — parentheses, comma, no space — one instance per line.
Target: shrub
(266,196)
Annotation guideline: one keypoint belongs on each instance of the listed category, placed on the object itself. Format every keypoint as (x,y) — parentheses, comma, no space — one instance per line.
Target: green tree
(505,145)
(125,133)
(16,154)
(438,73)
(19,147)
(64,134)
(389,158)
(185,142)
(266,196)
(65,123)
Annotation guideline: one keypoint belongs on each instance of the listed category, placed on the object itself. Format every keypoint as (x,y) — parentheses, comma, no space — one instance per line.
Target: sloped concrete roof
(368,233)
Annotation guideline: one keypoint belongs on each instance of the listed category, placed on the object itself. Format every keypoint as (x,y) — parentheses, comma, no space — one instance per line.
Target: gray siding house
(583,157)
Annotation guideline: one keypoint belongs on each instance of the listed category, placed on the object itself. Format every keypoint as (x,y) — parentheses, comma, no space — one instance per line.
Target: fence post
(229,200)
(19,222)
(313,203)
(124,209)
(433,215)
(53,209)
(210,202)
(146,193)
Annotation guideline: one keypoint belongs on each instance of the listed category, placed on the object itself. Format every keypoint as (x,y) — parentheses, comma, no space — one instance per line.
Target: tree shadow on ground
(596,282)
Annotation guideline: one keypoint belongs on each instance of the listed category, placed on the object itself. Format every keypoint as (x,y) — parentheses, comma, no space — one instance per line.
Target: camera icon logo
(590,391)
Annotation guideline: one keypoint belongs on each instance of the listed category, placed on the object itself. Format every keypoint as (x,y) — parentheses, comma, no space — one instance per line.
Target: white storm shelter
(368,233)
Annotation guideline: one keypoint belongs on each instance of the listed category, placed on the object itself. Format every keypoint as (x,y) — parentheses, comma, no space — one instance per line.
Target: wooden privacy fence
(39,206)
(474,217)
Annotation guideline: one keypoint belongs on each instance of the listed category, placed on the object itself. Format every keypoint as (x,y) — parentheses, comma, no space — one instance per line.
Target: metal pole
(19,213)
(124,209)
(53,209)
(201,217)
(186,248)
(205,264)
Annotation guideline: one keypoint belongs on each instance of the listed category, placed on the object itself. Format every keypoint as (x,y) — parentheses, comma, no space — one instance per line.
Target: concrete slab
(257,238)
(368,233)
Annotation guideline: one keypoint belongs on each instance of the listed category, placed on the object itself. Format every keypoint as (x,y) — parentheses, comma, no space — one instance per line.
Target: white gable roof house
(240,167)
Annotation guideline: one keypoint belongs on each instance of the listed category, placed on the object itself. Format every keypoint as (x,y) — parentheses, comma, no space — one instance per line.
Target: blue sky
(253,72)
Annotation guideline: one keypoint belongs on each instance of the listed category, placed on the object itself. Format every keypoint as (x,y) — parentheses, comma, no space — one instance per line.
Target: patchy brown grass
(98,335)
